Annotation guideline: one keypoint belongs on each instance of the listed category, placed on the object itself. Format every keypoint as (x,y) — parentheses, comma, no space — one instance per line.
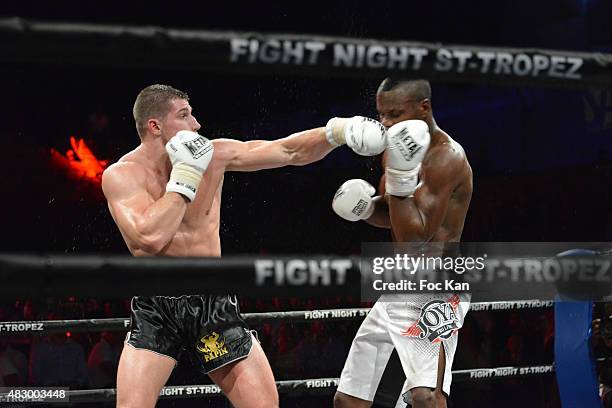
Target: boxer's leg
(424,397)
(149,354)
(224,348)
(141,376)
(248,382)
(427,346)
(366,362)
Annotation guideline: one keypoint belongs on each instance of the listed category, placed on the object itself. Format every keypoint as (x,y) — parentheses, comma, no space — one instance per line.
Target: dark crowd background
(541,161)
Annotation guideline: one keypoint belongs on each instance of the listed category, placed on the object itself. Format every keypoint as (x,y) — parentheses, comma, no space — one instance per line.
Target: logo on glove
(359,207)
(198,147)
(383,130)
(437,322)
(406,144)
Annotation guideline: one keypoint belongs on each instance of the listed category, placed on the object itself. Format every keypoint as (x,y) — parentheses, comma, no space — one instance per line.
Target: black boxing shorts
(209,328)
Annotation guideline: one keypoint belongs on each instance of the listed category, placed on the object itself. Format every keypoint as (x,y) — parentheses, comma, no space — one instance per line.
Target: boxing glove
(190,154)
(353,200)
(364,136)
(407,143)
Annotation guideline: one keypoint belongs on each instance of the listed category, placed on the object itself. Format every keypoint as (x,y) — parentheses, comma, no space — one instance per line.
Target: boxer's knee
(423,397)
(130,402)
(266,400)
(135,398)
(342,400)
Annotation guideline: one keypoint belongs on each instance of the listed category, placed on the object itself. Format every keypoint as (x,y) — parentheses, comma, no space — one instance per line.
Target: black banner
(123,276)
(487,271)
(289,54)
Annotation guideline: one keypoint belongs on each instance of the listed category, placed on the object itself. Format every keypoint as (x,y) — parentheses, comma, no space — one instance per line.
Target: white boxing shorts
(416,326)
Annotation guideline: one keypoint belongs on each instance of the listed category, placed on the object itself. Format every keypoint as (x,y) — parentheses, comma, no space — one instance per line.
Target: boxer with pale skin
(165,197)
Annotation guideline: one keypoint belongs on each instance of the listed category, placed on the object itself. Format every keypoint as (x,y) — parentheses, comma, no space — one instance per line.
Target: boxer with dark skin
(437,209)
(439,206)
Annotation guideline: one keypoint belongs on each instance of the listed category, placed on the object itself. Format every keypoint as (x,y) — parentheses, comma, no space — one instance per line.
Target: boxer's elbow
(299,150)
(419,239)
(152,245)
(299,158)
(303,155)
(412,233)
(294,157)
(151,242)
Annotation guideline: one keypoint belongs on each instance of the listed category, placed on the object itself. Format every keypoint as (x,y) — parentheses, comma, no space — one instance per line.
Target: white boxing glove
(190,154)
(365,136)
(407,144)
(353,200)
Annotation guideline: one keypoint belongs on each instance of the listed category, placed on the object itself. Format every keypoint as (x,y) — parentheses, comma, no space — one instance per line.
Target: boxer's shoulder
(445,163)
(445,150)
(123,173)
(445,155)
(126,168)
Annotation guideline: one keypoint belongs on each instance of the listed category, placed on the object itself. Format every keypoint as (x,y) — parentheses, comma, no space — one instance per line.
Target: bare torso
(453,221)
(198,233)
(154,222)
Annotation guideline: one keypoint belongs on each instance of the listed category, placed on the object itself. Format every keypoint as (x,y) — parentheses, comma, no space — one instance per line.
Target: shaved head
(416,89)
(399,99)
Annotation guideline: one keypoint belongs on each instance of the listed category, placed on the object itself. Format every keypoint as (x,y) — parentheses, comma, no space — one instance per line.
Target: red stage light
(80,161)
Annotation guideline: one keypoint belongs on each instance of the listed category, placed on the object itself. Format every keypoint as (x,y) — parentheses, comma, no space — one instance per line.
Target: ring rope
(313,386)
(298,316)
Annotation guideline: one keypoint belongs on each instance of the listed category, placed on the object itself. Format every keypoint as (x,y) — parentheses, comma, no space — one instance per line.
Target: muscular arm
(418,218)
(380,216)
(297,149)
(146,224)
